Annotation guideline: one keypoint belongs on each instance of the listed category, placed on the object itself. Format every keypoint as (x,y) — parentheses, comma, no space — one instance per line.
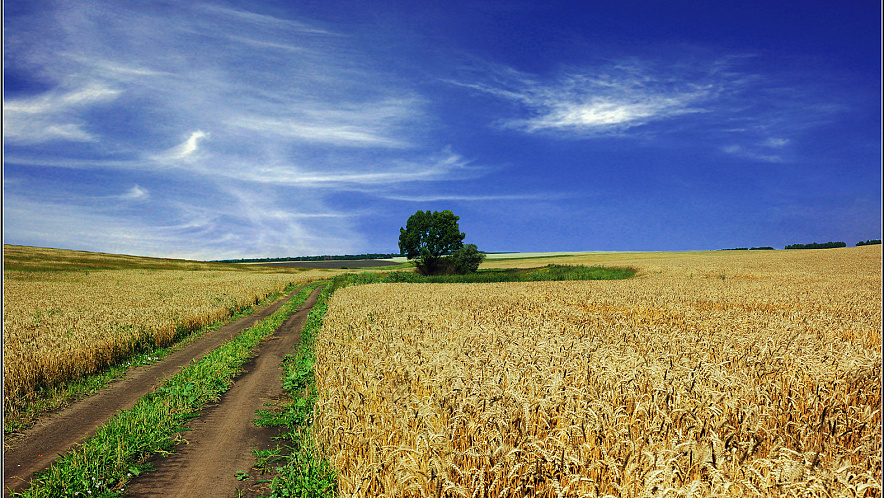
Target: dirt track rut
(57,433)
(220,441)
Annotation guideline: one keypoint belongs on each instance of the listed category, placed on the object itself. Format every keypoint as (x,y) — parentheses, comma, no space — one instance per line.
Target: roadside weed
(304,472)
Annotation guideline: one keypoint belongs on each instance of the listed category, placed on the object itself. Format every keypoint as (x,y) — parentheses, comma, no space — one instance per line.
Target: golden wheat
(712,374)
(64,324)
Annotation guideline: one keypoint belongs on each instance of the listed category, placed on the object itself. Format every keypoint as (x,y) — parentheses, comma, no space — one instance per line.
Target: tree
(428,236)
(467,259)
(815,245)
(868,242)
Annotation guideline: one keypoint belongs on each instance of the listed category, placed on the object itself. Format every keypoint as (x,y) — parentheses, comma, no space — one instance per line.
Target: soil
(231,419)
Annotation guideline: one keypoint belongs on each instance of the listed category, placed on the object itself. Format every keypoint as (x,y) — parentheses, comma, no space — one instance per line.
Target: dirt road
(221,439)
(38,447)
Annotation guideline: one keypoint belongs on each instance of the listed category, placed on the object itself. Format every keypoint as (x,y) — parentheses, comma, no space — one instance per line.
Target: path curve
(57,433)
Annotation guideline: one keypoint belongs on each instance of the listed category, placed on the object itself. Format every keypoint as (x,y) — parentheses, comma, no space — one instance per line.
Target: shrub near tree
(435,242)
(467,259)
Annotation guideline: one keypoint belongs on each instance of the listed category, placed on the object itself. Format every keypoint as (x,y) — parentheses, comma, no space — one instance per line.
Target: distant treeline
(827,245)
(764,248)
(347,257)
(815,245)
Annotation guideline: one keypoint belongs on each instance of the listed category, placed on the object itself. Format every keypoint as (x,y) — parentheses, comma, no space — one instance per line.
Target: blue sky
(212,130)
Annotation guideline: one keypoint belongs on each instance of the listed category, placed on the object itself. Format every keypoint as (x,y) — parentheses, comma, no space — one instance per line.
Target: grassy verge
(303,472)
(102,465)
(58,396)
(546,273)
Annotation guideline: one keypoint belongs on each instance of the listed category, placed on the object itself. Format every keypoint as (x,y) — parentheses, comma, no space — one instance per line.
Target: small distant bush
(763,248)
(827,245)
(871,242)
(737,249)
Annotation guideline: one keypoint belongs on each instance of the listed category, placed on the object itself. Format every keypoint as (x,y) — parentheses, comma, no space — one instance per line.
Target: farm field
(517,255)
(729,373)
(69,313)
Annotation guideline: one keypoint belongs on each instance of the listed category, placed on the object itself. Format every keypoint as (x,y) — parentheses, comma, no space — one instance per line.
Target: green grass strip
(552,272)
(304,473)
(102,465)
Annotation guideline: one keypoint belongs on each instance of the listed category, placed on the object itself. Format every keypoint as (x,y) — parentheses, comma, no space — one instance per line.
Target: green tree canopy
(467,259)
(430,233)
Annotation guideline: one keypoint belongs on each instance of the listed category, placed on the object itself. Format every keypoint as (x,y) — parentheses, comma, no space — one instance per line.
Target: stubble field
(726,373)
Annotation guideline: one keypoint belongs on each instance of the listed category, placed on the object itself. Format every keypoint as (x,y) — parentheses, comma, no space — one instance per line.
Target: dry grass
(735,374)
(63,318)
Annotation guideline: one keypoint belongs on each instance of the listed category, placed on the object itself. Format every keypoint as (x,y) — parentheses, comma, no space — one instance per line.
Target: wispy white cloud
(598,101)
(113,70)
(55,115)
(135,193)
(34,159)
(70,226)
(263,20)
(266,44)
(339,132)
(190,145)
(445,165)
(776,142)
(229,225)
(56,102)
(185,151)
(752,153)
(718,99)
(34,130)
(219,129)
(471,198)
(582,112)
(214,68)
(770,150)
(236,128)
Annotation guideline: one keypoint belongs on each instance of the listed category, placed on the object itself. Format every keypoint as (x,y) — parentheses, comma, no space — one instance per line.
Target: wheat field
(750,373)
(61,323)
